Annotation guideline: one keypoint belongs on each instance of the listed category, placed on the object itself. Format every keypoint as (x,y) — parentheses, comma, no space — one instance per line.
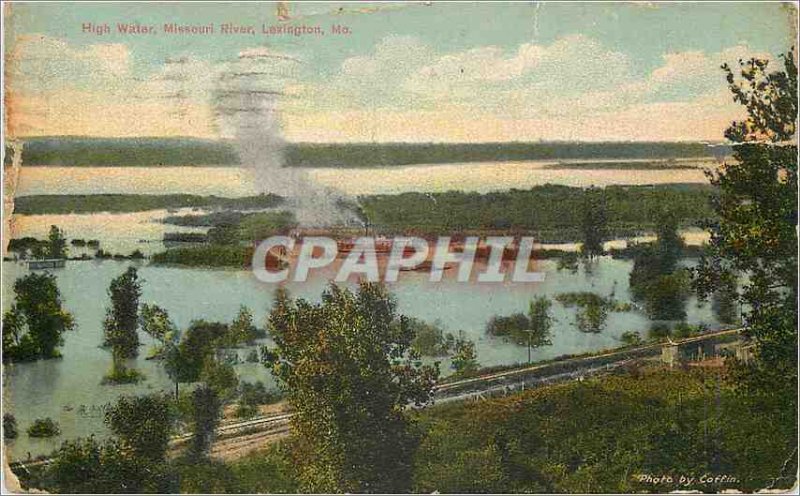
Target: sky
(421,72)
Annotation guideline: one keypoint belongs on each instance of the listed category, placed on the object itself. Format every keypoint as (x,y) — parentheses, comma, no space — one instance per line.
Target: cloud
(38,62)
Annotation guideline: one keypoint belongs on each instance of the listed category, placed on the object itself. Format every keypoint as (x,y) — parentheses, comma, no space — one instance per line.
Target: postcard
(399,247)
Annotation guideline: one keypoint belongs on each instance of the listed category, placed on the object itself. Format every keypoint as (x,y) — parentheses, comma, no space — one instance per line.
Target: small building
(48,263)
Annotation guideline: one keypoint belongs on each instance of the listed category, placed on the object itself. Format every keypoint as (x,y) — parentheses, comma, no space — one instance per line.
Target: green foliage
(142,424)
(429,339)
(122,318)
(9,426)
(598,435)
(117,203)
(120,374)
(757,229)
(156,323)
(261,225)
(206,414)
(56,243)
(28,247)
(348,376)
(268,471)
(213,255)
(631,338)
(558,215)
(593,222)
(127,152)
(242,330)
(465,360)
(253,395)
(655,279)
(541,322)
(44,427)
(593,309)
(512,326)
(133,461)
(33,327)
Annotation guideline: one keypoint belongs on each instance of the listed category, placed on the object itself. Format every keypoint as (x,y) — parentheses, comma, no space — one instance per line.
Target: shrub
(44,427)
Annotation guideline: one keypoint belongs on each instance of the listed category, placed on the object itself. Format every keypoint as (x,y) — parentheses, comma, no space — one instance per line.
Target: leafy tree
(465,359)
(241,329)
(155,322)
(44,427)
(206,414)
(757,229)
(9,426)
(655,278)
(593,222)
(513,326)
(592,316)
(349,374)
(122,318)
(429,339)
(631,338)
(725,299)
(35,324)
(121,323)
(142,424)
(541,322)
(56,243)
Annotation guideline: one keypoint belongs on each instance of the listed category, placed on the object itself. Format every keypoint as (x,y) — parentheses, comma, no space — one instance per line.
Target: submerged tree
(156,323)
(56,243)
(35,324)
(757,229)
(349,374)
(656,280)
(121,323)
(465,358)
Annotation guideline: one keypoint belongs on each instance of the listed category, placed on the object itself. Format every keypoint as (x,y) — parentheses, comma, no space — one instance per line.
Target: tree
(591,317)
(349,374)
(541,323)
(56,243)
(756,232)
(465,359)
(132,461)
(121,321)
(593,223)
(142,424)
(9,426)
(156,323)
(655,278)
(241,329)
(35,324)
(206,414)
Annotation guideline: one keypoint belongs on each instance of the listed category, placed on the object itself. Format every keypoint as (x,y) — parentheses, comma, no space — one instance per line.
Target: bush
(44,427)
(9,426)
(123,376)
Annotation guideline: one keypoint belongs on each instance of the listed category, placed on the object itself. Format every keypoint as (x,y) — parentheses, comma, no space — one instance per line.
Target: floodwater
(233,181)
(69,389)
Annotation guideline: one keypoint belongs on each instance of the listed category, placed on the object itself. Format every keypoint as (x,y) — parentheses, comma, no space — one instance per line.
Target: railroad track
(503,382)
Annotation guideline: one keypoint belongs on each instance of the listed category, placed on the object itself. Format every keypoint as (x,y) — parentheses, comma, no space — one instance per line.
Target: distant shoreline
(183,152)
